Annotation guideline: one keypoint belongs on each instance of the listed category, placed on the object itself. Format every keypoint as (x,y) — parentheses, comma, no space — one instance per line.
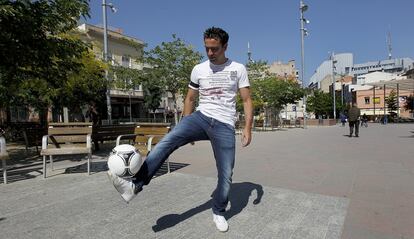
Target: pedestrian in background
(353,117)
(342,116)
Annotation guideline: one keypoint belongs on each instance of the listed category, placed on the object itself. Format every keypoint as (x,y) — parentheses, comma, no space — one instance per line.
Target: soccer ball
(125,161)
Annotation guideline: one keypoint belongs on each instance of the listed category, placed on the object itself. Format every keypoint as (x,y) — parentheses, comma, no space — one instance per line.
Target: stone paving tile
(173,206)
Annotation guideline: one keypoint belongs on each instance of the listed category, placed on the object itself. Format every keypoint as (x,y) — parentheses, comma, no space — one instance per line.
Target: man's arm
(189,101)
(248,115)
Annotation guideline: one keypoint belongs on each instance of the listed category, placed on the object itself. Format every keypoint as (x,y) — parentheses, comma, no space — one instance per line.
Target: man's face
(215,51)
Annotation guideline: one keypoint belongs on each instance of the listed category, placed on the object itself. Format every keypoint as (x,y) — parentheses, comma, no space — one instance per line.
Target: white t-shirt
(218,86)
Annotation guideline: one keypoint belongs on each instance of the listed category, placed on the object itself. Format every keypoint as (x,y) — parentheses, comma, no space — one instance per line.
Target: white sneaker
(125,187)
(221,223)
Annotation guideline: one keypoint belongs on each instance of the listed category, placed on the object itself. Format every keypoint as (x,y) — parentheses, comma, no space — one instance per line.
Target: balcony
(126,93)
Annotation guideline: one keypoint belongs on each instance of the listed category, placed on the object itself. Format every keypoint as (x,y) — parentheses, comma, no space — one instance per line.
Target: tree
(273,93)
(268,91)
(37,55)
(171,64)
(320,103)
(84,86)
(152,97)
(409,103)
(392,103)
(257,70)
(124,77)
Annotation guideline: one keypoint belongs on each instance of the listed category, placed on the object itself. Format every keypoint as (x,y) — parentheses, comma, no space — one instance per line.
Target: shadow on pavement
(100,166)
(27,164)
(239,198)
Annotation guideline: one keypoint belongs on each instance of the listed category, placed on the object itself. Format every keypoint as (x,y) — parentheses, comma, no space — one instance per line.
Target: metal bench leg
(44,166)
(89,163)
(3,162)
(51,161)
(168,165)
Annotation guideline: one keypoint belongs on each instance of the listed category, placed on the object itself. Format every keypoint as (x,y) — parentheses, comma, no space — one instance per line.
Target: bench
(33,136)
(3,157)
(146,136)
(66,139)
(102,133)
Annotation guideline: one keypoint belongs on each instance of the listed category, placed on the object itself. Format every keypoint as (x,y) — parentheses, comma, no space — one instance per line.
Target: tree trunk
(175,109)
(43,116)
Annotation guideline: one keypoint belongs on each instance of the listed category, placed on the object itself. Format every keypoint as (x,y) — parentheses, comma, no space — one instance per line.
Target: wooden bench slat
(71,130)
(59,139)
(65,151)
(145,131)
(71,124)
(67,145)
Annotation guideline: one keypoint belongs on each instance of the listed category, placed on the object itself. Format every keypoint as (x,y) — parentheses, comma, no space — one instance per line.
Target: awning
(402,84)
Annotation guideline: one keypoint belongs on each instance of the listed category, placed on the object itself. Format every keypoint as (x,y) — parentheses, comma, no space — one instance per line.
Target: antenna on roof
(249,54)
(389,46)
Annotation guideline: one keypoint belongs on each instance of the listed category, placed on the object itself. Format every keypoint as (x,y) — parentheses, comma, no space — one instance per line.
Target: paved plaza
(290,183)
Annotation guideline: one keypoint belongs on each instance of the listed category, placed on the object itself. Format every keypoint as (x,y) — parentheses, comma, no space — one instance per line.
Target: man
(216,82)
(353,118)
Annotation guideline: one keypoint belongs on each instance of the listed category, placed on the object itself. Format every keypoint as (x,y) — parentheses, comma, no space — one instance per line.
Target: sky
(272,27)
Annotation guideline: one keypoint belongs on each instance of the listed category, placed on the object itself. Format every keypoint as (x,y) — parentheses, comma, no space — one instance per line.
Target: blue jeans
(196,127)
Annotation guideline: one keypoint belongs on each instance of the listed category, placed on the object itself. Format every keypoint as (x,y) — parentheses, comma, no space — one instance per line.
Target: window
(366,100)
(376,100)
(109,55)
(19,114)
(126,60)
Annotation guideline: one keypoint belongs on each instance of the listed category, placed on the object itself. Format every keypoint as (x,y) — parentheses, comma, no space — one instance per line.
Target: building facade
(123,51)
(288,71)
(372,90)
(343,65)
(284,70)
(397,65)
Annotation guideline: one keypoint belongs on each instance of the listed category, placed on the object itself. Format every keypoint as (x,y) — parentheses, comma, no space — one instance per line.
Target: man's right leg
(188,130)
(351,128)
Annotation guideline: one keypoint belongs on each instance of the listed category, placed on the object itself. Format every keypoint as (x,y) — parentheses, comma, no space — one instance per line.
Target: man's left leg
(351,128)
(222,137)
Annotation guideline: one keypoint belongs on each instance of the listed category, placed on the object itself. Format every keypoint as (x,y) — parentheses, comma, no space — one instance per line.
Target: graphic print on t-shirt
(217,86)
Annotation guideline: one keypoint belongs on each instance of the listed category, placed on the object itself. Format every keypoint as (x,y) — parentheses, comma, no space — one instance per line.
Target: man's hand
(246,137)
(248,116)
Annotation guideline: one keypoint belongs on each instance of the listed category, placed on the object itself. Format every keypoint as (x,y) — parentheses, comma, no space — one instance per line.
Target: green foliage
(172,63)
(84,86)
(391,101)
(152,96)
(320,103)
(38,57)
(269,91)
(125,78)
(409,103)
(276,93)
(257,70)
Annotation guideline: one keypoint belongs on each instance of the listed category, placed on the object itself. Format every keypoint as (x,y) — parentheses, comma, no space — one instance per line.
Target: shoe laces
(220,219)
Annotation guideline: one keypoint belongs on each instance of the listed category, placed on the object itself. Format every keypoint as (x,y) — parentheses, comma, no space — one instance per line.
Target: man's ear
(225,46)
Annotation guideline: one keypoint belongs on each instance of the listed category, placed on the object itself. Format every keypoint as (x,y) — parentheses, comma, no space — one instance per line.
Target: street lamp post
(303,32)
(333,85)
(342,92)
(105,26)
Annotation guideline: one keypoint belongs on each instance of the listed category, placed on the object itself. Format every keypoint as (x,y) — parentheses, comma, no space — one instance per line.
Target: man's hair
(218,34)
